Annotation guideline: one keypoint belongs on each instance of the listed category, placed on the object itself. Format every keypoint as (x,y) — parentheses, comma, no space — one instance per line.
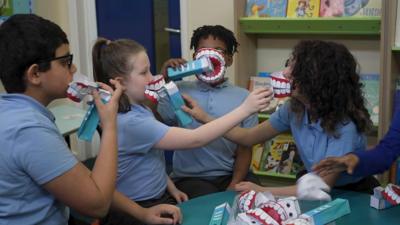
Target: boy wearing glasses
(221,164)
(39,176)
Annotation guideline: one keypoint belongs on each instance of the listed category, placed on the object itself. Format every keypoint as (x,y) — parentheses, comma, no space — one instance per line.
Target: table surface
(198,211)
(68,118)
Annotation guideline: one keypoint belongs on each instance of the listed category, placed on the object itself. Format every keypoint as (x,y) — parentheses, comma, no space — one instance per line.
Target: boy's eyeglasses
(65,60)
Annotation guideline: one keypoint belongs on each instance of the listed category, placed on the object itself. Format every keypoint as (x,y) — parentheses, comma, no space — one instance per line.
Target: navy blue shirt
(381,157)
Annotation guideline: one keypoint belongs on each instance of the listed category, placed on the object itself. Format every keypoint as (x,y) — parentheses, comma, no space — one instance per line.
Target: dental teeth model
(385,197)
(217,60)
(157,89)
(77,91)
(280,84)
(258,208)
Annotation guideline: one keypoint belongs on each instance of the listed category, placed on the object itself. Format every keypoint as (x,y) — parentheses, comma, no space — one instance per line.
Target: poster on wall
(11,7)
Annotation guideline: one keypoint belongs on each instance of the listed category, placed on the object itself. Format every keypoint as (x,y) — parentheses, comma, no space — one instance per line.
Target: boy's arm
(241,165)
(282,191)
(91,192)
(243,155)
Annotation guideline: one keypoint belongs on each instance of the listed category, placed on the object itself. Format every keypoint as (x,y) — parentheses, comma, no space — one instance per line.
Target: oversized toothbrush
(77,91)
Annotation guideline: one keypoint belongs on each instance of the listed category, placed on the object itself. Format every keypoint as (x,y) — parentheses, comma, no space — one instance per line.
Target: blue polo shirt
(141,167)
(216,158)
(314,144)
(32,153)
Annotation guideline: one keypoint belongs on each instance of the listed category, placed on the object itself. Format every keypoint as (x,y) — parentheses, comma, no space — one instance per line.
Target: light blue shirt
(32,153)
(141,167)
(314,144)
(216,158)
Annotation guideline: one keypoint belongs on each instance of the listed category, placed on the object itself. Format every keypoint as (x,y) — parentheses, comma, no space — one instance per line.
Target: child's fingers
(187,109)
(162,220)
(188,100)
(119,89)
(184,197)
(105,87)
(175,212)
(97,99)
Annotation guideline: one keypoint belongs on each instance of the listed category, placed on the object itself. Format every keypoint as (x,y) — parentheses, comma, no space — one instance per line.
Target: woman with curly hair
(326,113)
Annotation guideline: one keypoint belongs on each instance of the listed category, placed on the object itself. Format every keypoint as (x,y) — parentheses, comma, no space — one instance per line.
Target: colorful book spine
(303,8)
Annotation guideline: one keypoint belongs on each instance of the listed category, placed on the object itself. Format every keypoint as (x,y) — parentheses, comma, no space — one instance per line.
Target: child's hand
(248,186)
(108,111)
(171,63)
(195,110)
(336,165)
(162,214)
(257,100)
(178,195)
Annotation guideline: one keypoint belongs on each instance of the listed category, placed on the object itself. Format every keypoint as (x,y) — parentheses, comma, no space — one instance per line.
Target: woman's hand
(336,164)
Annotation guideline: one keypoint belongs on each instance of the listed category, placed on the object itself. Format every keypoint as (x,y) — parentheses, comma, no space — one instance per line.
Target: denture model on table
(260,209)
(77,91)
(387,197)
(157,89)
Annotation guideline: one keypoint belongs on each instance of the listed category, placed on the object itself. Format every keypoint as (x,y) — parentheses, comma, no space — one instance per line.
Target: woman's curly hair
(326,75)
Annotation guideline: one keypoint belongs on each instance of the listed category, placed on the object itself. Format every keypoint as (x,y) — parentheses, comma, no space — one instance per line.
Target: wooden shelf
(325,25)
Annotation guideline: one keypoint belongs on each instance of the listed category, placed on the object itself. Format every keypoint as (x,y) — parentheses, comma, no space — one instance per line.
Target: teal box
(328,212)
(177,102)
(220,215)
(190,68)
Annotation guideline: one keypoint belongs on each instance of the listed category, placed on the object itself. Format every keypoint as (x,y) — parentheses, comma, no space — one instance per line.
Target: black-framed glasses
(65,60)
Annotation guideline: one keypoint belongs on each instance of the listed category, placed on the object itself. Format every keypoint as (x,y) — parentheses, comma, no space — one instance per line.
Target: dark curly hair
(26,39)
(216,31)
(326,75)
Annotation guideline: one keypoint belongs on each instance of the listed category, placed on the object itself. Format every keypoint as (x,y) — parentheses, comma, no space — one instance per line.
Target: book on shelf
(279,157)
(331,8)
(303,8)
(361,8)
(371,94)
(266,8)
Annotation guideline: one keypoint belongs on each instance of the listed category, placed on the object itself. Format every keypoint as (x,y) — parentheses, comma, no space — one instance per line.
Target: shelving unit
(341,26)
(396,49)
